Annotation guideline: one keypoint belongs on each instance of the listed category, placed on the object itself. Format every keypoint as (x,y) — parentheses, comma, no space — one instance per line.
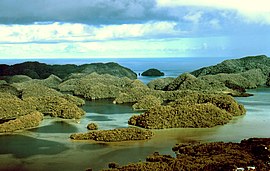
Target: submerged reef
(115,135)
(250,154)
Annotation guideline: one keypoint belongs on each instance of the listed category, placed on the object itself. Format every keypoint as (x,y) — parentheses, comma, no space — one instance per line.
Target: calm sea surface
(49,147)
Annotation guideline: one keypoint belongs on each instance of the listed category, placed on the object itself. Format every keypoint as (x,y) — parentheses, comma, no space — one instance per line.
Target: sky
(133,28)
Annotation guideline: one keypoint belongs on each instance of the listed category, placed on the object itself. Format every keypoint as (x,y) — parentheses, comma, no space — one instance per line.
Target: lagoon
(48,147)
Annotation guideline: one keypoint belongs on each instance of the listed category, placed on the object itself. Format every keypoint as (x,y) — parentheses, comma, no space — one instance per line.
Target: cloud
(79,11)
(135,27)
(68,32)
(253,11)
(173,47)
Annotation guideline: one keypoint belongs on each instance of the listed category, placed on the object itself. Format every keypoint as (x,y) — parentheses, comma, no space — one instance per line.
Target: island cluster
(200,99)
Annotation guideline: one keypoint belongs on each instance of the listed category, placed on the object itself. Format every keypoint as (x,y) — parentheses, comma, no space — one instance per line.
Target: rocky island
(153,73)
(174,100)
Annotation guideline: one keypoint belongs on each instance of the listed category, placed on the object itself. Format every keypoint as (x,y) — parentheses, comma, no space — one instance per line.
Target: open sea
(48,147)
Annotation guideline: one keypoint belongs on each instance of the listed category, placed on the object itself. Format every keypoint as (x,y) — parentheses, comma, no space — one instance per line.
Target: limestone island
(153,73)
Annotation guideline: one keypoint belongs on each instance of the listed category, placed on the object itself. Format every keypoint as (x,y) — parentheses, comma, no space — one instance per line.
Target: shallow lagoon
(49,147)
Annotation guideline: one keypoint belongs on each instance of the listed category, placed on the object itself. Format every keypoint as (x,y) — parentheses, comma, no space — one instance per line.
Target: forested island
(200,99)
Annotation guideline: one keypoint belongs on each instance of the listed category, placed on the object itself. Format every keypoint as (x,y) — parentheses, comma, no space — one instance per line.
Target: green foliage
(115,135)
(92,126)
(147,102)
(248,72)
(191,109)
(222,101)
(51,102)
(248,79)
(12,107)
(181,116)
(55,106)
(187,81)
(218,156)
(160,83)
(27,121)
(18,79)
(38,70)
(152,72)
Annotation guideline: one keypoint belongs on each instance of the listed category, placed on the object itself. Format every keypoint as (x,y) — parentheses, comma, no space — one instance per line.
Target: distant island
(153,73)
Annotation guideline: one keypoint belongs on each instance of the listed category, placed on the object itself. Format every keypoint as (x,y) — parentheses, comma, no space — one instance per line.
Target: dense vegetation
(217,156)
(38,70)
(153,72)
(115,135)
(194,110)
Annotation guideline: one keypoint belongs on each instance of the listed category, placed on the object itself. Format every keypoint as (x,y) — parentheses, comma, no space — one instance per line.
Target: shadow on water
(106,107)
(22,146)
(56,127)
(99,118)
(123,156)
(92,147)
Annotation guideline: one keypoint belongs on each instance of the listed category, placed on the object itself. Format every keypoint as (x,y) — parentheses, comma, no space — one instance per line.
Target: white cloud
(174,47)
(194,17)
(57,32)
(253,11)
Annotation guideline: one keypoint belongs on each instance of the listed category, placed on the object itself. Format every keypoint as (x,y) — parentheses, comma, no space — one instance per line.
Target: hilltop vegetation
(247,72)
(153,72)
(38,70)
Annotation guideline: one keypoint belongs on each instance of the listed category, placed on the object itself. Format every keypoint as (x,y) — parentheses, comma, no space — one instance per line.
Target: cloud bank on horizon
(134,28)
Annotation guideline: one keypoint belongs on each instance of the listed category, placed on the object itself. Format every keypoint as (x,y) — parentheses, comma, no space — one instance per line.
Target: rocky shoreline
(250,154)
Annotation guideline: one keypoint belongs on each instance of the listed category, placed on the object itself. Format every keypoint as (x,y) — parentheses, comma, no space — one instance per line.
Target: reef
(251,154)
(115,135)
(153,73)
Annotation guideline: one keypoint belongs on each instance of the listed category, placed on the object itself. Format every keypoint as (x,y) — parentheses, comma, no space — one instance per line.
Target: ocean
(48,147)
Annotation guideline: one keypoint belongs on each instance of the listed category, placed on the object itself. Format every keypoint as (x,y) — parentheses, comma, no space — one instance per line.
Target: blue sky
(133,28)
